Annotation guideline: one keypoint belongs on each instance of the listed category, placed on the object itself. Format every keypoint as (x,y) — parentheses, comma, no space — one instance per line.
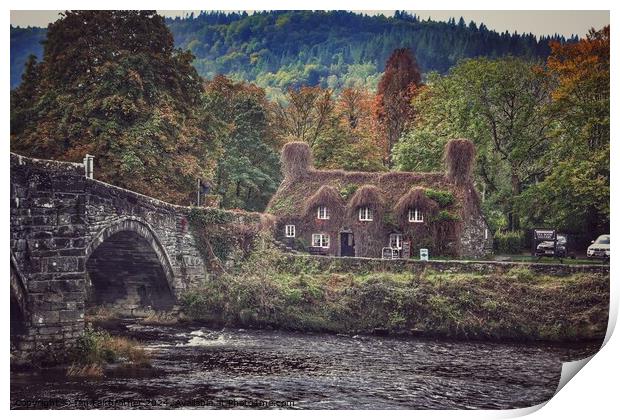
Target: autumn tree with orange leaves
(575,192)
(397,87)
(342,130)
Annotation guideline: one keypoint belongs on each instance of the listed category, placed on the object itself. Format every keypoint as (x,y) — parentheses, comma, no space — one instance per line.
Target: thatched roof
(307,187)
(325,196)
(366,196)
(415,198)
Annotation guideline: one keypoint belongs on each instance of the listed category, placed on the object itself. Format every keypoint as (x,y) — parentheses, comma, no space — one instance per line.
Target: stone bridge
(76,241)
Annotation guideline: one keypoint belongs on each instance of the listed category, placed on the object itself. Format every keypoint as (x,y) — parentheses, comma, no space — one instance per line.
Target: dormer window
(322,213)
(416,216)
(365,214)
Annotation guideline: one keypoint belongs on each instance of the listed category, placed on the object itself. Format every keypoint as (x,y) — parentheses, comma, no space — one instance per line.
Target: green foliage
(445,216)
(282,205)
(202,217)
(509,242)
(332,49)
(112,84)
(521,274)
(247,171)
(575,193)
(500,104)
(347,191)
(443,198)
(419,150)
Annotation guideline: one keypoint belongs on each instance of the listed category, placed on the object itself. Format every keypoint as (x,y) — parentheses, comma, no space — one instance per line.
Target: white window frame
(416,216)
(320,240)
(289,231)
(322,213)
(365,214)
(399,240)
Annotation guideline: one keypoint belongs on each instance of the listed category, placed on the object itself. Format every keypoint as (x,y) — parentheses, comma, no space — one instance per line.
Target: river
(194,367)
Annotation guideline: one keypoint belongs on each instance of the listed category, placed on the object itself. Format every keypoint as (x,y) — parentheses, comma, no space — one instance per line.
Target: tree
(308,115)
(575,192)
(361,134)
(112,84)
(396,88)
(502,106)
(247,171)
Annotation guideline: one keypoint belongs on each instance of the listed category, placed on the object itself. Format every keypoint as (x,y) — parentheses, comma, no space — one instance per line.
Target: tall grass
(265,291)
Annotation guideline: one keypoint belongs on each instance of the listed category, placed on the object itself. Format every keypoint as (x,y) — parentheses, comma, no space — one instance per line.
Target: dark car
(546,248)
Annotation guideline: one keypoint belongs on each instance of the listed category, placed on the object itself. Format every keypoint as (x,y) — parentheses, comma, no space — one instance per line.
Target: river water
(194,367)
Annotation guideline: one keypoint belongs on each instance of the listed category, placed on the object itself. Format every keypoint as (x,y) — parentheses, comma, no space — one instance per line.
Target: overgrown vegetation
(508,243)
(270,291)
(224,235)
(97,348)
(443,198)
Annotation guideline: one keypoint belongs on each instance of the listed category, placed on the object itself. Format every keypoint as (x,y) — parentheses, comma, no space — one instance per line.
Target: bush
(508,243)
(443,198)
(97,347)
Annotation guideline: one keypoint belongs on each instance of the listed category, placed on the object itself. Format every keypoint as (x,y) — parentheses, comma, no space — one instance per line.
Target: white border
(592,394)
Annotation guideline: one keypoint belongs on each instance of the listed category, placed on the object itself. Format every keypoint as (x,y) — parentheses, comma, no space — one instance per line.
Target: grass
(550,260)
(517,304)
(97,348)
(525,258)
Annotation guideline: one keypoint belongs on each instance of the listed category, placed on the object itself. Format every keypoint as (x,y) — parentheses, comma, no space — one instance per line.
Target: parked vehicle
(563,249)
(599,248)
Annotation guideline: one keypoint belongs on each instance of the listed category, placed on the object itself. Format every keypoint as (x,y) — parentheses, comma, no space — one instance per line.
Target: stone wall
(48,247)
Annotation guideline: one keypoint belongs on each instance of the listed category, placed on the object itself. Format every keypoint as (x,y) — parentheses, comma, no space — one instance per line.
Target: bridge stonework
(76,241)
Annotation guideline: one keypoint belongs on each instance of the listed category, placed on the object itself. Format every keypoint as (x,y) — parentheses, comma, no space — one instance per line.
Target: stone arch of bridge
(129,268)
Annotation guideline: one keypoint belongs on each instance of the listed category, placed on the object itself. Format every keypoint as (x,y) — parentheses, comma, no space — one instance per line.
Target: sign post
(544,235)
(406,251)
(423,254)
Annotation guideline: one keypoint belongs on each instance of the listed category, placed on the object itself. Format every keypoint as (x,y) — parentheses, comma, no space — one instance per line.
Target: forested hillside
(333,49)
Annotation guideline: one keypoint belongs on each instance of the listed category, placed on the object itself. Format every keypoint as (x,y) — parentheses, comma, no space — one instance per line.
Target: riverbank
(517,302)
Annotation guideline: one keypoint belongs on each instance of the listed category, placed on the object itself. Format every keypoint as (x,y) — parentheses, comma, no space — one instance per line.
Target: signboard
(423,254)
(544,234)
(386,253)
(406,251)
(544,243)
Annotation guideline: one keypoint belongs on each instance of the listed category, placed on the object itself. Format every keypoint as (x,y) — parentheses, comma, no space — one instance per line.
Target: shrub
(99,347)
(508,243)
(446,216)
(443,198)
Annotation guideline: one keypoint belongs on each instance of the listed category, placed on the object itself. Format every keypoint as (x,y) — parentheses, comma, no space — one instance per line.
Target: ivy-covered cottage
(342,213)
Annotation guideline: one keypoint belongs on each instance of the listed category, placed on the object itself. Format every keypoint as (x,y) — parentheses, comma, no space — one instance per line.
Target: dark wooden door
(347,246)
